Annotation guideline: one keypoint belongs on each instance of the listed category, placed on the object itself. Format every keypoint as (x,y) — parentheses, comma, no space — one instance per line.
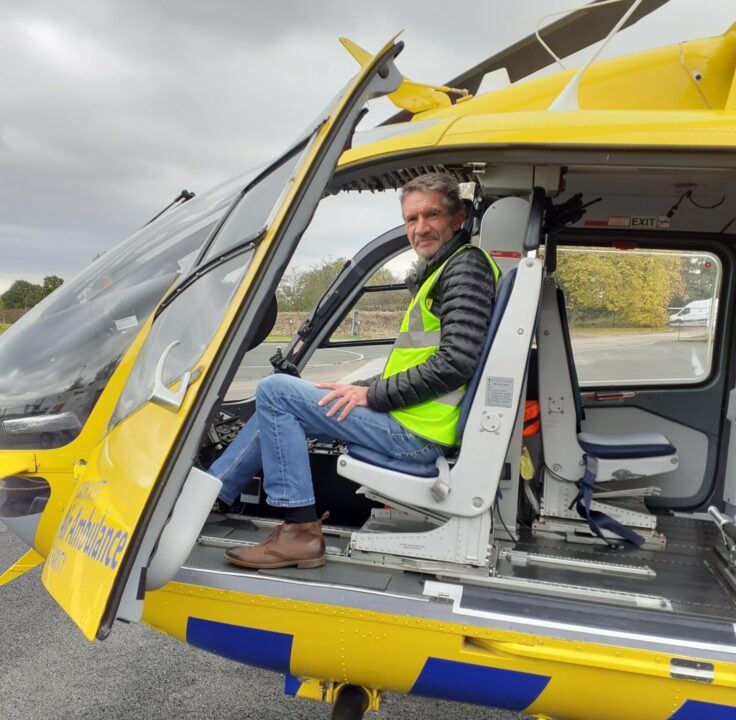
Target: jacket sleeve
(367,382)
(465,293)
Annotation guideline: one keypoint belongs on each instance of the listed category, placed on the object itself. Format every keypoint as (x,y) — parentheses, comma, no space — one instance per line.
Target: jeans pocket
(425,453)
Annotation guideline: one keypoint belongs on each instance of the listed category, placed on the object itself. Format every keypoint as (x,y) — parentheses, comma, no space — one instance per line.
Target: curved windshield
(191,324)
(56,360)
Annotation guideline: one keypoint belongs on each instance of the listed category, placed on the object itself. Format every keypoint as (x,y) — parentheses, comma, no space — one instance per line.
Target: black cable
(500,517)
(689,195)
(556,217)
(706,207)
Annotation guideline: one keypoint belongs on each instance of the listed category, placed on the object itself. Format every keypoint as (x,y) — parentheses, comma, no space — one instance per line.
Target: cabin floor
(683,580)
(686,573)
(222,532)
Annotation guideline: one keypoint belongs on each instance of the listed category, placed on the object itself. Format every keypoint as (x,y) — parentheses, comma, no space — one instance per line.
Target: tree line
(637,290)
(601,287)
(300,289)
(23,295)
(631,290)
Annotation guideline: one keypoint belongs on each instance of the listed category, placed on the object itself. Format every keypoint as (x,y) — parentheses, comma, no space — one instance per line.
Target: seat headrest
(502,231)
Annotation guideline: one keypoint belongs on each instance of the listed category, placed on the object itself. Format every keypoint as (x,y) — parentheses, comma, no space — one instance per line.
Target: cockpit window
(252,213)
(56,360)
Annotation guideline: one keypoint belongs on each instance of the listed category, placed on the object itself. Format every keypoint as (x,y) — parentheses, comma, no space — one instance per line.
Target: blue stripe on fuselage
(262,648)
(698,710)
(470,683)
(291,684)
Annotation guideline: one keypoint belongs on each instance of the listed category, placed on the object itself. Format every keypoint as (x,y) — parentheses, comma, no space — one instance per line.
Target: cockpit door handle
(160,393)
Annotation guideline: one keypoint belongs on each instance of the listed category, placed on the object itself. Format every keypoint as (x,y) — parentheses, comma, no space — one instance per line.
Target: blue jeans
(275,439)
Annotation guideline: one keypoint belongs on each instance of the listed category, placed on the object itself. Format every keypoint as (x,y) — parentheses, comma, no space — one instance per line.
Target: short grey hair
(436,182)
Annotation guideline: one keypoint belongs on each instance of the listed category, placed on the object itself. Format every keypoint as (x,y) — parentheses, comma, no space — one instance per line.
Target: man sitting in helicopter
(410,411)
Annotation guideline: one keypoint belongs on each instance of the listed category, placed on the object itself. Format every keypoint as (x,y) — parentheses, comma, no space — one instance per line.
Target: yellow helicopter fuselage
(666,112)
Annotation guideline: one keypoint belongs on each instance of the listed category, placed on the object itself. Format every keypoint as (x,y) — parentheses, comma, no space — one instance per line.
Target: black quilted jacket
(463,298)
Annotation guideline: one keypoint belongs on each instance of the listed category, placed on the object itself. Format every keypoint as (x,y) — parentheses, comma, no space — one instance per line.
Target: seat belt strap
(599,521)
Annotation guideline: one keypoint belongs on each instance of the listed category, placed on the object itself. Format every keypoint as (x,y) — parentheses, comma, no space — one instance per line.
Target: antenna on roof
(568,98)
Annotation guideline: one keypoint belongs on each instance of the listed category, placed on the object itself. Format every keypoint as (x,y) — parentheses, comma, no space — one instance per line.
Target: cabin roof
(681,97)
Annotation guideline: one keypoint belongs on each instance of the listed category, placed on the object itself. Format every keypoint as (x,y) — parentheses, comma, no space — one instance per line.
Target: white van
(696,312)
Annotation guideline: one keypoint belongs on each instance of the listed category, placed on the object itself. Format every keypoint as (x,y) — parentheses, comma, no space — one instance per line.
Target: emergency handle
(160,393)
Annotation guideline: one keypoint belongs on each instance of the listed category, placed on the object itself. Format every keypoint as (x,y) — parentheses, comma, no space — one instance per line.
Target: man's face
(429,224)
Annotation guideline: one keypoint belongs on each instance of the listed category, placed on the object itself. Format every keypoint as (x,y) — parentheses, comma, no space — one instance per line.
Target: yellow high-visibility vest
(417,341)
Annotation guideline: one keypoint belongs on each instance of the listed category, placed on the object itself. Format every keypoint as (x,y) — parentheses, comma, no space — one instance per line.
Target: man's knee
(272,388)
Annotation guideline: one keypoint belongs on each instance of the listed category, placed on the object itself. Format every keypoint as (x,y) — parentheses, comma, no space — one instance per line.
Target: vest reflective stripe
(416,321)
(453,398)
(419,339)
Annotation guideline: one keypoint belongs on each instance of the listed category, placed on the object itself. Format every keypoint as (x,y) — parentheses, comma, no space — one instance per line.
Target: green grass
(278,338)
(4,327)
(596,331)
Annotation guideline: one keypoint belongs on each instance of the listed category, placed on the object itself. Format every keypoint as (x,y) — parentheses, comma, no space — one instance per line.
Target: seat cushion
(373,457)
(634,445)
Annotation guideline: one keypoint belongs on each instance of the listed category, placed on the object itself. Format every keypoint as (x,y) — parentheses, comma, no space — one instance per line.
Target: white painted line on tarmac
(358,357)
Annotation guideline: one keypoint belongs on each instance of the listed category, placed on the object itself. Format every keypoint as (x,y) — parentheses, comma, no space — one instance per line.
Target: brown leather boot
(300,544)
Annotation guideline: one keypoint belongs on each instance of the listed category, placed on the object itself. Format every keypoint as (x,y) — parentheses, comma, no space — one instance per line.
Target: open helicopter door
(140,477)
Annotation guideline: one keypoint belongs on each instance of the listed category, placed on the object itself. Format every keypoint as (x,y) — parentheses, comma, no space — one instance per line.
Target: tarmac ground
(49,671)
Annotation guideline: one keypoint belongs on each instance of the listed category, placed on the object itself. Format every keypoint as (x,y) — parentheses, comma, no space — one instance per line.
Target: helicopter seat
(432,470)
(502,229)
(590,478)
(452,495)
(440,467)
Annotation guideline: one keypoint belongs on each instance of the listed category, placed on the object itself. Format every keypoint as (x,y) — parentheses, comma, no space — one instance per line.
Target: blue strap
(599,521)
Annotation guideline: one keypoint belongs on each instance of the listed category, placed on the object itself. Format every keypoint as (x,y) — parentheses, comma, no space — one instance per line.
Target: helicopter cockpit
(516,528)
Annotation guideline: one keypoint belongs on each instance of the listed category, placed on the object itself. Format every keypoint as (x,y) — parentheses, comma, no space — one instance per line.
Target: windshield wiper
(183,196)
(243,246)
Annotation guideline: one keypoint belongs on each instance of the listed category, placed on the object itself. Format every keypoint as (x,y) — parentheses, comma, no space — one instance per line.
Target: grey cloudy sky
(109,108)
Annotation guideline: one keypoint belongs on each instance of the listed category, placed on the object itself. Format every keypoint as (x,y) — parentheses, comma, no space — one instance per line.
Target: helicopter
(587,570)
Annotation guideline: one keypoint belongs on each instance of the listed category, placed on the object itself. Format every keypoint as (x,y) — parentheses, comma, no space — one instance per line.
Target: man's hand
(346,397)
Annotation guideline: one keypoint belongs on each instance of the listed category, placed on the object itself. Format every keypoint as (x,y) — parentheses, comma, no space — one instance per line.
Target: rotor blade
(565,36)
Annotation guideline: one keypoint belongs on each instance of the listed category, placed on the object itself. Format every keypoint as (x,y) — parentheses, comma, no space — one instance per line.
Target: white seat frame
(472,482)
(564,457)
